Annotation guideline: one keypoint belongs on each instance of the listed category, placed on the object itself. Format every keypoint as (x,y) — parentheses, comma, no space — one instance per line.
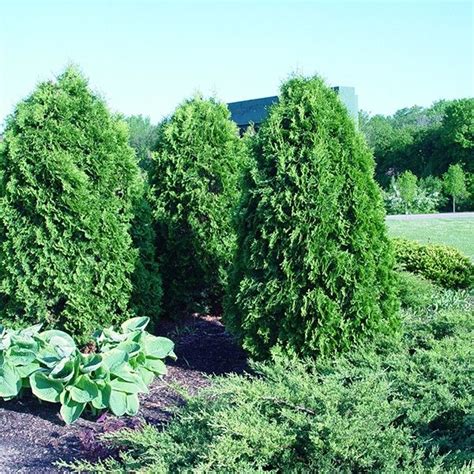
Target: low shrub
(50,364)
(441,264)
(415,291)
(403,404)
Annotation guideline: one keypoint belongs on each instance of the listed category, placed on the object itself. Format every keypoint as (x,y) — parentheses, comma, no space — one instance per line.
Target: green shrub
(50,364)
(441,264)
(313,271)
(195,174)
(69,182)
(398,405)
(146,298)
(415,291)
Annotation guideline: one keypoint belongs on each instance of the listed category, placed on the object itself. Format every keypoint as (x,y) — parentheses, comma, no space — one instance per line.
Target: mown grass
(456,232)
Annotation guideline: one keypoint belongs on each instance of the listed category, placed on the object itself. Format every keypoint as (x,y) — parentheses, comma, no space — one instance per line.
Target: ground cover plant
(454,232)
(441,264)
(313,271)
(399,404)
(68,186)
(194,176)
(123,364)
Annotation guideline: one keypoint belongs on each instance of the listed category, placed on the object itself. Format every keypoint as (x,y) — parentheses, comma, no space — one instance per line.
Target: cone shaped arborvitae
(146,279)
(68,185)
(195,175)
(313,270)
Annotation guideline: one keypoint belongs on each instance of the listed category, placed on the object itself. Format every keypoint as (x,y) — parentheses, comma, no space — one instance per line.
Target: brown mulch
(33,436)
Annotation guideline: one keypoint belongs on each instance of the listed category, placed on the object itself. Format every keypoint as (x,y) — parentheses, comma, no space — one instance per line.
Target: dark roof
(254,111)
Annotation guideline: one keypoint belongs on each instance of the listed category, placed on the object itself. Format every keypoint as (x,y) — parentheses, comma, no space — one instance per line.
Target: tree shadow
(203,345)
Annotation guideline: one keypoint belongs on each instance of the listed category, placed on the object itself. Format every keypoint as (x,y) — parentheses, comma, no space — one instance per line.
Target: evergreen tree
(69,183)
(313,268)
(146,279)
(195,175)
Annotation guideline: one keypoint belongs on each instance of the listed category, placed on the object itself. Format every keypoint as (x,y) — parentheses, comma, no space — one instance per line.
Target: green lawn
(456,232)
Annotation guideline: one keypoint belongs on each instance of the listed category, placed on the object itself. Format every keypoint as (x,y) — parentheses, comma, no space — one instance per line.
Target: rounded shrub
(195,174)
(69,183)
(441,264)
(313,271)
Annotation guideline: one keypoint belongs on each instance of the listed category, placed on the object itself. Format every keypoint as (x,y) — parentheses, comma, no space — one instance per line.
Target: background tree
(455,183)
(69,183)
(195,177)
(143,138)
(313,267)
(406,184)
(423,140)
(457,133)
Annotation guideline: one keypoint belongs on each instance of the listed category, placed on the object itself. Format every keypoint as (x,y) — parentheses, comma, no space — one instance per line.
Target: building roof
(255,111)
(250,111)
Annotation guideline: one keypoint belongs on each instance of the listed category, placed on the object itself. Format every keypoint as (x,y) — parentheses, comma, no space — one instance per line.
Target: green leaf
(90,362)
(113,336)
(25,371)
(25,342)
(31,330)
(45,388)
(71,410)
(114,358)
(146,375)
(83,390)
(62,342)
(133,404)
(129,387)
(101,401)
(157,366)
(157,347)
(63,371)
(10,382)
(117,402)
(20,356)
(131,348)
(135,324)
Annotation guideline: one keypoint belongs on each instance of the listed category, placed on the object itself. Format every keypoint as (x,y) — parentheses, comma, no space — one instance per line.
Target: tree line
(424,156)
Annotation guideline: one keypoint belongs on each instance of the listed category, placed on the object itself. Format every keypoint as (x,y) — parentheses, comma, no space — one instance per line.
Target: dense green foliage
(143,136)
(398,405)
(428,198)
(441,264)
(313,270)
(69,183)
(414,290)
(423,140)
(195,175)
(50,364)
(407,187)
(146,298)
(455,183)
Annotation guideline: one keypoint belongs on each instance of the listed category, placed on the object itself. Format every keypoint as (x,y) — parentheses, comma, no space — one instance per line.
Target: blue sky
(146,56)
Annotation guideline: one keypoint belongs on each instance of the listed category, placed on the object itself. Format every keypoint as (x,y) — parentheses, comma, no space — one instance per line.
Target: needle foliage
(195,174)
(68,186)
(313,271)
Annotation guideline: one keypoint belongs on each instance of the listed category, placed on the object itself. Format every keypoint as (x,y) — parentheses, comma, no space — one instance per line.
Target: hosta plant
(49,363)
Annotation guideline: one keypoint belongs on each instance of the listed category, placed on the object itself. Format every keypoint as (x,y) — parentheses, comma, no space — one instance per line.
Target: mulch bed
(33,436)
